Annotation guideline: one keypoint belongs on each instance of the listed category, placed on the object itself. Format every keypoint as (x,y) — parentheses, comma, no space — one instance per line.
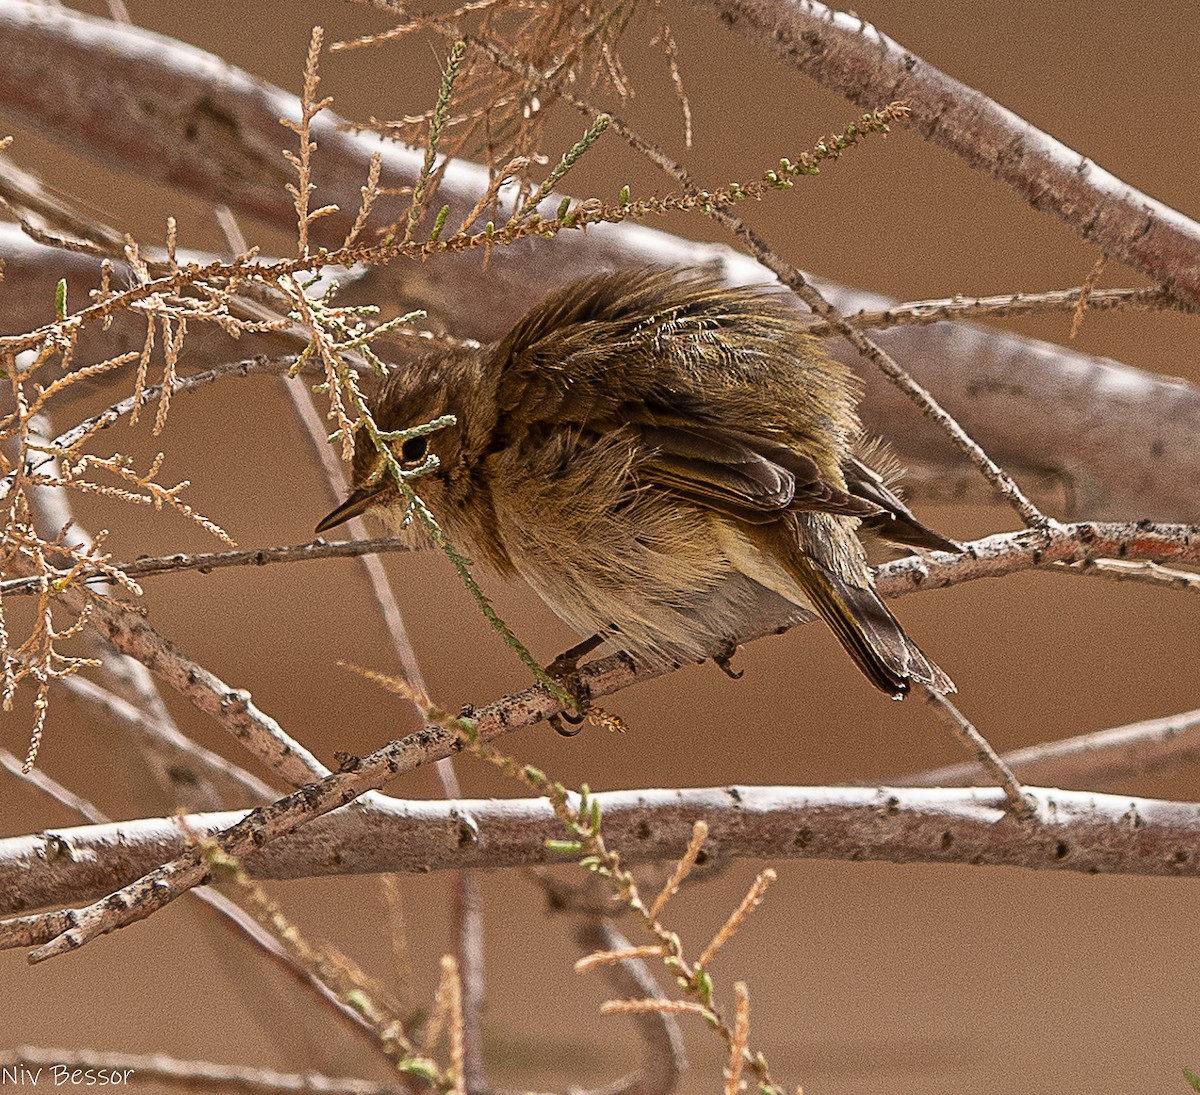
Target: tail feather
(869,632)
(895,522)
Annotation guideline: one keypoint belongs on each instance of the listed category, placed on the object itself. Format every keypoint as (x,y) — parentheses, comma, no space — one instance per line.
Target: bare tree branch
(663,1060)
(126,1068)
(1074,831)
(60,933)
(848,55)
(1088,760)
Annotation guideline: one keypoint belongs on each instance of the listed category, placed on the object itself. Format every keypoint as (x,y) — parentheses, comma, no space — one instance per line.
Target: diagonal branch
(1087,759)
(842,52)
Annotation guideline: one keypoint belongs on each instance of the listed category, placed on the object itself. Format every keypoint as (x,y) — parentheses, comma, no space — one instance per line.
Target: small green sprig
(436,125)
(568,161)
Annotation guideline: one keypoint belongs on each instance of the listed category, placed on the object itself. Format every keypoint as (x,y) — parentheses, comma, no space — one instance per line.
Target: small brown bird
(666,461)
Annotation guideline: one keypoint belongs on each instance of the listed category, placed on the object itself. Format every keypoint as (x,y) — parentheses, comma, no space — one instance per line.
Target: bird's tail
(871,635)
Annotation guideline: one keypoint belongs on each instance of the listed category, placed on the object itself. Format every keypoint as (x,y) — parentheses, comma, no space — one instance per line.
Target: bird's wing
(893,520)
(750,478)
(699,377)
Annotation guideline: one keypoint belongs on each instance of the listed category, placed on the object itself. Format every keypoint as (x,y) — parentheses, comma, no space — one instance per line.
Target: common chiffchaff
(667,461)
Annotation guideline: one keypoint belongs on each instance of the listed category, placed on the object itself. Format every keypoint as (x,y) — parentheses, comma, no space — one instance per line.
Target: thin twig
(987,757)
(1086,760)
(125,1068)
(1005,304)
(206,562)
(682,869)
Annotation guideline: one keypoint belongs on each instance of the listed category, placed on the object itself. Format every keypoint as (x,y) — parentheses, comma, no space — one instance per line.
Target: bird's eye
(413,450)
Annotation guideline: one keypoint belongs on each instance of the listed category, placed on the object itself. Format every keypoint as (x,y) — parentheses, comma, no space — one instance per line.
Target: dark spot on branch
(734,794)
(893,805)
(947,839)
(468,834)
(803,838)
(642,832)
(182,776)
(1061,850)
(1180,857)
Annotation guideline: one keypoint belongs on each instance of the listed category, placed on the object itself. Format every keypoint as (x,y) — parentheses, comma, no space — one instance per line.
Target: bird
(668,461)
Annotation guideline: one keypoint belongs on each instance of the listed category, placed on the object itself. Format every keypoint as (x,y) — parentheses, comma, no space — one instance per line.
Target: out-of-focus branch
(194,1075)
(1086,760)
(663,1059)
(1074,831)
(846,54)
(187,119)
(222,778)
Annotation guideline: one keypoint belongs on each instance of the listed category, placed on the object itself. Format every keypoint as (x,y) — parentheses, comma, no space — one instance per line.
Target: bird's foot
(565,670)
(723,661)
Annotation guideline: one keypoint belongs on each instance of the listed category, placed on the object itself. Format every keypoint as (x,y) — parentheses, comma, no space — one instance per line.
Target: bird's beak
(356,504)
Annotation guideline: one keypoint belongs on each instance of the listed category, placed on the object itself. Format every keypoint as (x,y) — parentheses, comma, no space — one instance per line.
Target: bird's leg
(567,662)
(565,670)
(722,658)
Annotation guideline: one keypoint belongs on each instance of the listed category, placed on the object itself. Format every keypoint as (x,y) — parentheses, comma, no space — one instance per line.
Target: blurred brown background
(863,976)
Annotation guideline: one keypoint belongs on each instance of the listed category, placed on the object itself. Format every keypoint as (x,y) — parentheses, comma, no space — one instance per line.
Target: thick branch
(846,54)
(1074,831)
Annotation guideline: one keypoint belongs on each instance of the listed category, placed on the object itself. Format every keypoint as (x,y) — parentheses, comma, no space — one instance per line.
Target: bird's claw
(565,670)
(722,661)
